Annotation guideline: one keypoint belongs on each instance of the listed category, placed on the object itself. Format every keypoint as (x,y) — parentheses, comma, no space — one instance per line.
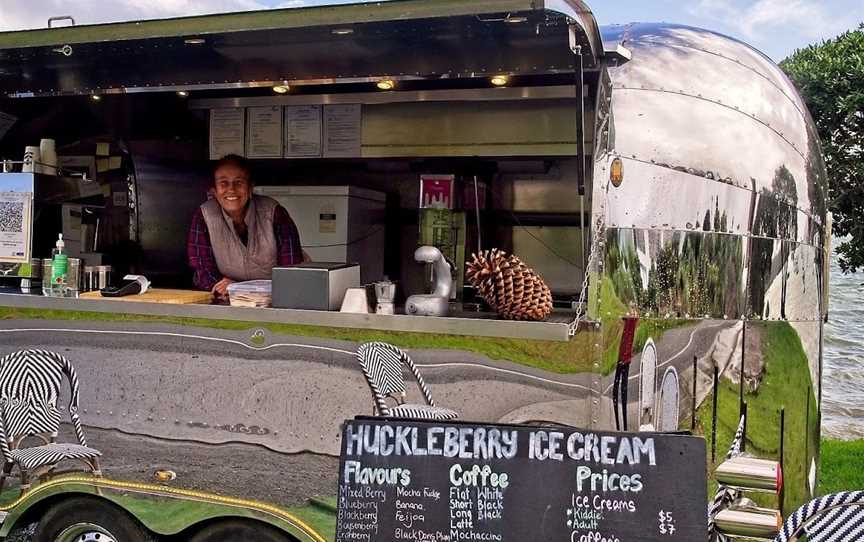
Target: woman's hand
(220,289)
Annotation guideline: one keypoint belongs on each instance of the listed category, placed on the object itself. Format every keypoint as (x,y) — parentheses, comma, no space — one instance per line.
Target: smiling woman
(237,236)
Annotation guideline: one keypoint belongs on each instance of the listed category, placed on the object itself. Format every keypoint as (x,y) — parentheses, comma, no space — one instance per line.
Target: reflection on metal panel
(765,279)
(811,341)
(731,148)
(779,377)
(647,384)
(755,88)
(804,269)
(644,200)
(744,124)
(668,405)
(695,274)
(677,274)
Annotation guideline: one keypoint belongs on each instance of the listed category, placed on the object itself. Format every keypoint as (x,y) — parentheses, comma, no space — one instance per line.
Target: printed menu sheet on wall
(303,131)
(342,130)
(264,132)
(227,131)
(461,482)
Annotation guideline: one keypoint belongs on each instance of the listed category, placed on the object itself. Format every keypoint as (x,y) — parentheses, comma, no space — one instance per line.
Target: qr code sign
(11,216)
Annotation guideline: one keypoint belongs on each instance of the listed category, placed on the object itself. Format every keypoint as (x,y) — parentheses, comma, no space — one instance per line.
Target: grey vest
(237,261)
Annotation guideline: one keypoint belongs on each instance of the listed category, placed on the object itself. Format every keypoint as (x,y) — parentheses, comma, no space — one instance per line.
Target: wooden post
(695,379)
(714,417)
(741,375)
(782,442)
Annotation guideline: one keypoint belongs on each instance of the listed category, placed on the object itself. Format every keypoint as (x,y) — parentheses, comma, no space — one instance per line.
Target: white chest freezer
(337,224)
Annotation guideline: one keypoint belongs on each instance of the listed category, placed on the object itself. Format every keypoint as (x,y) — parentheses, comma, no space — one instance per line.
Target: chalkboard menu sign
(409,481)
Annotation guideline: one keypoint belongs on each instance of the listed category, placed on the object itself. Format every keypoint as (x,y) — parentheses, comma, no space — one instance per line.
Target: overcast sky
(776,27)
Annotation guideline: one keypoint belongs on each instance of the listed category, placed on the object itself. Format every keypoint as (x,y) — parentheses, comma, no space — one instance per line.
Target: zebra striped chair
(838,517)
(382,365)
(725,495)
(29,390)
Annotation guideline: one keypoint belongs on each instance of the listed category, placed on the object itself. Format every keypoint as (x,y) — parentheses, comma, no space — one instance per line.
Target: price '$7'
(667,525)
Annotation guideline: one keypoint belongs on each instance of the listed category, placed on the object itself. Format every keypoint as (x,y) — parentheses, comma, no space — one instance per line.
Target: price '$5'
(667,525)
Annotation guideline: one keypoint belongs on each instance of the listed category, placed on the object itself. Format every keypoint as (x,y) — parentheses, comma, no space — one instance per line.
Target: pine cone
(510,287)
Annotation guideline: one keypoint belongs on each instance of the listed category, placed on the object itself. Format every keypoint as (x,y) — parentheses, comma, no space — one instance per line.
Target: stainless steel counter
(474,324)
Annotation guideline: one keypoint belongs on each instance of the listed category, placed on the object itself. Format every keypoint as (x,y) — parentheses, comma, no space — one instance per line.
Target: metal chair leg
(97,470)
(7,470)
(25,481)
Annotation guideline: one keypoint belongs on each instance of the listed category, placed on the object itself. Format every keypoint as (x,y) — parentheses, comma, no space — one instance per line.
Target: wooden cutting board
(159,295)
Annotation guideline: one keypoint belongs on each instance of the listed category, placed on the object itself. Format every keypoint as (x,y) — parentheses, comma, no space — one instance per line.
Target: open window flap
(401,39)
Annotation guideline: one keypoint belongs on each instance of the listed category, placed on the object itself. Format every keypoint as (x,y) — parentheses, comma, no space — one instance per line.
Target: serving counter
(556,328)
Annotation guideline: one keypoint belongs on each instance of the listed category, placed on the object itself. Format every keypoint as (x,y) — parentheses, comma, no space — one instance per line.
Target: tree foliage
(830,76)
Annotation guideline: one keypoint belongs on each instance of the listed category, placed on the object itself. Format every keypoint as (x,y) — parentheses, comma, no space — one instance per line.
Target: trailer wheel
(239,531)
(84,519)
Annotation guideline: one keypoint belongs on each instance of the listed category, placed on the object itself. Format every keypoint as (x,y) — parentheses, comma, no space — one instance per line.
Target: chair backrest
(838,517)
(29,389)
(382,366)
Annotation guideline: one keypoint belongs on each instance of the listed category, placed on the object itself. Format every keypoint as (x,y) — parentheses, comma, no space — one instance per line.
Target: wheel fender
(163,510)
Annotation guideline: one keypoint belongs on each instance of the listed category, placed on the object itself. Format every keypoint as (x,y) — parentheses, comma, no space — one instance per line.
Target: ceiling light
(182,93)
(386,84)
(342,31)
(194,41)
(281,89)
(500,80)
(95,97)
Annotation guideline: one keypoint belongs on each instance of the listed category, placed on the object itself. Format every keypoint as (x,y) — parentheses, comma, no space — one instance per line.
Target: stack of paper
(252,293)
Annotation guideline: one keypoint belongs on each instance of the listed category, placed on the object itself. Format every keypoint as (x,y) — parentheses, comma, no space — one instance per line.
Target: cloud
(808,18)
(19,14)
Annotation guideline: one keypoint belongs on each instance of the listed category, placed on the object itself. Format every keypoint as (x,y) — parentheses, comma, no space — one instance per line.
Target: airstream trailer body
(665,181)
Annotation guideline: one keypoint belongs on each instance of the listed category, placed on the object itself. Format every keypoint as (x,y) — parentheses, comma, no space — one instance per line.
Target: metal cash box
(313,285)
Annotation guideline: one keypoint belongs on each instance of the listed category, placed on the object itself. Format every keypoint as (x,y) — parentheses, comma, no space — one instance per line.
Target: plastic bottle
(59,267)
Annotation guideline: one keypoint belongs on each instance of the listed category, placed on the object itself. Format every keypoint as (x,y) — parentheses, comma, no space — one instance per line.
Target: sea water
(843,374)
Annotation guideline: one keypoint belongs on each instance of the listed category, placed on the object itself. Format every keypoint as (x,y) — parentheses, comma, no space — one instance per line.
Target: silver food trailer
(652,170)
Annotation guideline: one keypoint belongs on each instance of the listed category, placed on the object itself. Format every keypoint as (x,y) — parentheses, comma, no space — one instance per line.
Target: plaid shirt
(203,262)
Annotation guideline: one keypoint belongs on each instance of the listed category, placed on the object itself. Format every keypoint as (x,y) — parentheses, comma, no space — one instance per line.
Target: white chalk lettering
(606,481)
(451,442)
(386,445)
(356,473)
(478,476)
(644,448)
(555,439)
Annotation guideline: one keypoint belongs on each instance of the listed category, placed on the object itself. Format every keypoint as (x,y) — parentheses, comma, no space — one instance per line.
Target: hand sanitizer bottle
(59,267)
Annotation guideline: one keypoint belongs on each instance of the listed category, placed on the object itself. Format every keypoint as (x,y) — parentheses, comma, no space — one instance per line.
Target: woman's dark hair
(233,160)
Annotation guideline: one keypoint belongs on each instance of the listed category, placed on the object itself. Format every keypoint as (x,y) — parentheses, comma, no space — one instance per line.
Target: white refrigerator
(343,224)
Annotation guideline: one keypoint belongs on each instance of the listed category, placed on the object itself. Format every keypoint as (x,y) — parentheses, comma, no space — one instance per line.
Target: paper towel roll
(48,152)
(31,158)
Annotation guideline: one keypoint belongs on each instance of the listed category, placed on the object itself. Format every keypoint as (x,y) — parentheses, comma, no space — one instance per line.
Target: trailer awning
(400,39)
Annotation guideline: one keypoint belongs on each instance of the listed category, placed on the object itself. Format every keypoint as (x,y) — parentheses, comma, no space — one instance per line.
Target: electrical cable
(349,243)
(526,230)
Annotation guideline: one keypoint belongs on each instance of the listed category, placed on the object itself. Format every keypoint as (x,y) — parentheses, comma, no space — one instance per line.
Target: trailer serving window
(345,114)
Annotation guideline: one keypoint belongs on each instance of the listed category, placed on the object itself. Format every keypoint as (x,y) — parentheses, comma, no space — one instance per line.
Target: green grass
(842,463)
(554,356)
(786,377)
